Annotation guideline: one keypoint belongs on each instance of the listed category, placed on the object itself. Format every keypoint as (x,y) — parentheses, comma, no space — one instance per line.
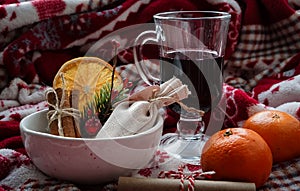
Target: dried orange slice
(87,75)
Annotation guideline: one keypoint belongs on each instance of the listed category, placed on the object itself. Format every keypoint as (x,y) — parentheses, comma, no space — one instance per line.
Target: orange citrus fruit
(237,154)
(87,75)
(280,130)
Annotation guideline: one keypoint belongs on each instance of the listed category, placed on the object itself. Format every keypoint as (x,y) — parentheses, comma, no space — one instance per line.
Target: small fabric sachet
(140,111)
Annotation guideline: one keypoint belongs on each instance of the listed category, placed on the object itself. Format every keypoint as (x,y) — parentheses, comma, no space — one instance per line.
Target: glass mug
(191,47)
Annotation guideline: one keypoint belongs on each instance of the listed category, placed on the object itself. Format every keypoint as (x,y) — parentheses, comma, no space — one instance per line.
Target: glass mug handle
(142,69)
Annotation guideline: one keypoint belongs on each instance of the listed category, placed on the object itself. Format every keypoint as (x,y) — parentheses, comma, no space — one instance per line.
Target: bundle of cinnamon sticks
(65,100)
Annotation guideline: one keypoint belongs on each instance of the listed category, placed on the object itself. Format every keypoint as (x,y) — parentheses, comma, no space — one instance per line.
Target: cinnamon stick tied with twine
(62,118)
(154,184)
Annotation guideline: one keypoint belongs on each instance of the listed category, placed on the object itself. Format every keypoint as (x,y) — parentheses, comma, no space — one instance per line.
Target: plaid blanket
(262,69)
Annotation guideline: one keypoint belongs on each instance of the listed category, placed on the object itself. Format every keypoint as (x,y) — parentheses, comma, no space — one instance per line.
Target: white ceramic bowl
(87,160)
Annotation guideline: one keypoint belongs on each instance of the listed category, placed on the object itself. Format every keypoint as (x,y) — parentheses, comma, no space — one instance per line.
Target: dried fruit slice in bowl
(86,75)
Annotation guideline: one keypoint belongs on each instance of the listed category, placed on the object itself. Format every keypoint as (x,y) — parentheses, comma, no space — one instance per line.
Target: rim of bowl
(48,135)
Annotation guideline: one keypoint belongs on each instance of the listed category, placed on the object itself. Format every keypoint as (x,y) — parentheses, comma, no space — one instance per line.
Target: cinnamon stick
(154,184)
(74,99)
(53,126)
(67,120)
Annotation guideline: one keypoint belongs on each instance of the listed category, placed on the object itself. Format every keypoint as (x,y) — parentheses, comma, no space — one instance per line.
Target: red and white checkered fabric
(263,51)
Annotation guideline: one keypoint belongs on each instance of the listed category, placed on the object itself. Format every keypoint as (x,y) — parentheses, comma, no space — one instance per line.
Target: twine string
(174,100)
(59,111)
(190,177)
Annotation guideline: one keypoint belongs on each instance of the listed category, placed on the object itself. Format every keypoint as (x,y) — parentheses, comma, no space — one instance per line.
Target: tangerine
(237,154)
(87,75)
(280,130)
